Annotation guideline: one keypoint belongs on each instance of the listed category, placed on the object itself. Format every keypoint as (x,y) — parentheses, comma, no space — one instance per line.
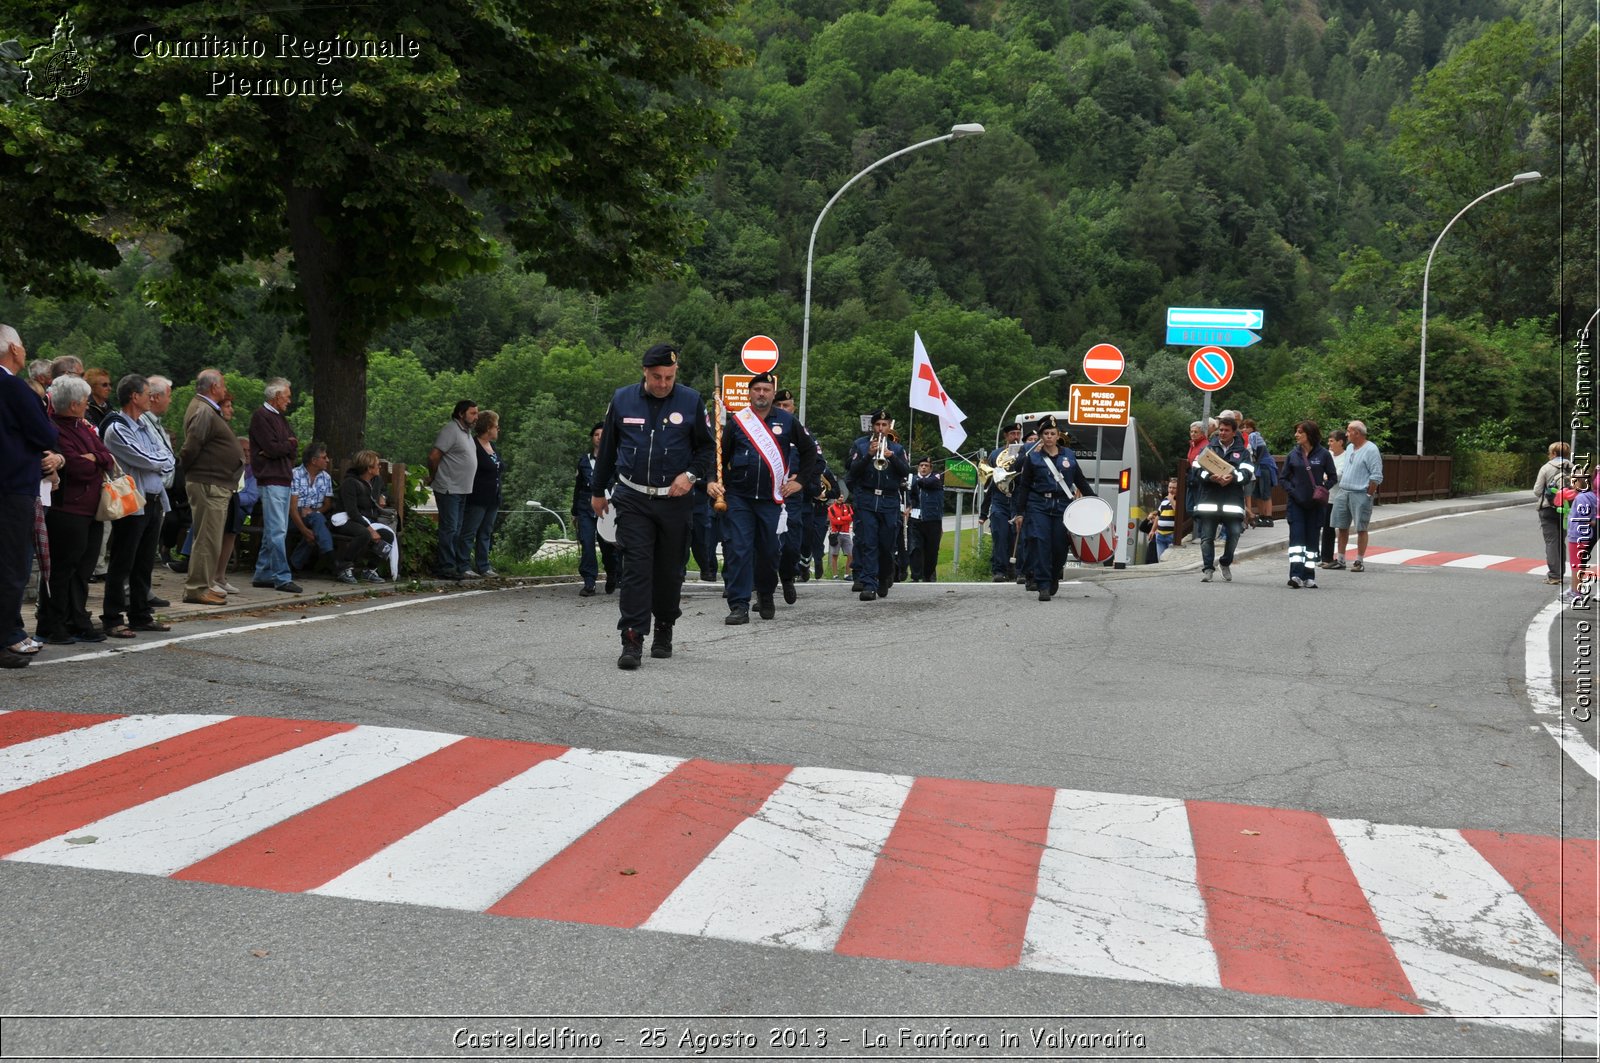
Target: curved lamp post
(1422,369)
(553,513)
(967,129)
(999,428)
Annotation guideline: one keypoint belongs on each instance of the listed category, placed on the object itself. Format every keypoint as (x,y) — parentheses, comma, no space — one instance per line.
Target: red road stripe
(957,877)
(1374,549)
(1285,913)
(321,843)
(27,724)
(620,871)
(1519,564)
(1439,558)
(68,801)
(1560,880)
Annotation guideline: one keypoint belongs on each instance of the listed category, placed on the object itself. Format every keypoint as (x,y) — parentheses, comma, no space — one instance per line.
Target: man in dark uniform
(875,493)
(1221,497)
(767,456)
(1051,479)
(584,518)
(794,562)
(655,445)
(997,510)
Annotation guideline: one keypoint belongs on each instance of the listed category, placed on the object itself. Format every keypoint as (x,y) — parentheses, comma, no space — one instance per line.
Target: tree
(569,129)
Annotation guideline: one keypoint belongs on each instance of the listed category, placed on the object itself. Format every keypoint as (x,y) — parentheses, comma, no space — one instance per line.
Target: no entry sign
(760,354)
(1210,368)
(1103,364)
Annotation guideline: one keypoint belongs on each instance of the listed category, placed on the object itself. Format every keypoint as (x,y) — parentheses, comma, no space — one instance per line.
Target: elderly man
(212,461)
(27,451)
(273,447)
(159,391)
(1353,494)
(132,554)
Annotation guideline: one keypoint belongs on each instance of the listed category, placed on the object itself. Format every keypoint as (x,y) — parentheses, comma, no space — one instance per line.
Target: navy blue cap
(661,354)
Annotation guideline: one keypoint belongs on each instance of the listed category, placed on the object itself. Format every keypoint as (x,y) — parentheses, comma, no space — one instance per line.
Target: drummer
(1050,480)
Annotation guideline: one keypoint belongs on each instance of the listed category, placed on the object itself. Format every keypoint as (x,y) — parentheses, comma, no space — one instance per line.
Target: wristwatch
(693,479)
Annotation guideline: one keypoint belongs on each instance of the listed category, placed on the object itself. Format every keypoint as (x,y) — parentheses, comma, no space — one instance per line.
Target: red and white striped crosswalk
(1484,926)
(1390,555)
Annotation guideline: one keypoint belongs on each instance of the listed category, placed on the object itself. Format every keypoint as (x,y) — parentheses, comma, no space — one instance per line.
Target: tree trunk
(337,349)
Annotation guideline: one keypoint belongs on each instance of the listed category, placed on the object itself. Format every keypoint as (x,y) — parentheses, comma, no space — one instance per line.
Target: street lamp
(1001,426)
(966,129)
(553,513)
(1422,368)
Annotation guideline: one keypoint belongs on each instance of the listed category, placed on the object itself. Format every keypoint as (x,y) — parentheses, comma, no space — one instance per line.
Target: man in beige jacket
(212,462)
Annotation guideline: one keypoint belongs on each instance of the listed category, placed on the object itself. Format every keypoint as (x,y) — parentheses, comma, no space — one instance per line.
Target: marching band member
(996,508)
(875,470)
(1051,478)
(586,522)
(771,457)
(791,544)
(655,445)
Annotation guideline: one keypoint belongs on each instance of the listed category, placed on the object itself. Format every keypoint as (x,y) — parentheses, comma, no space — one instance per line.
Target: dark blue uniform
(1041,501)
(646,444)
(875,494)
(585,519)
(927,498)
(751,548)
(997,510)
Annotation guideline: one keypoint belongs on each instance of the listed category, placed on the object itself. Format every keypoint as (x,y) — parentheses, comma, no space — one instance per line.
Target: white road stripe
(172,832)
(1537,667)
(475,854)
(1470,945)
(1396,557)
(142,645)
(1477,561)
(40,758)
(791,874)
(1117,893)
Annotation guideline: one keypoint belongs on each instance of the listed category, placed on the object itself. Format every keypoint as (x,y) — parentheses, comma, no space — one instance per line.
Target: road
(1227,819)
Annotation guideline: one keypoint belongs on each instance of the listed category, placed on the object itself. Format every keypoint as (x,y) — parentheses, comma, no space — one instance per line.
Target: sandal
(119,631)
(150,625)
(1357,566)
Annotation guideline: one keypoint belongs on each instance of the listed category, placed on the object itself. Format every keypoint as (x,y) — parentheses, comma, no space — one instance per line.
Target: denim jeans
(453,550)
(317,522)
(477,530)
(272,562)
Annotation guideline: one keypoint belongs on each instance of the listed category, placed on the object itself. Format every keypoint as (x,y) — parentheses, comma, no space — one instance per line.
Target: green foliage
(1480,472)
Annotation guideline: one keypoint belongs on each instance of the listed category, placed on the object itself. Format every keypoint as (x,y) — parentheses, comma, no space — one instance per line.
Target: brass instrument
(880,457)
(1004,470)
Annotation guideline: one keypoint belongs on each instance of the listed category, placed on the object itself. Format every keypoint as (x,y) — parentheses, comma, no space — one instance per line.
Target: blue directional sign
(1193,316)
(1212,337)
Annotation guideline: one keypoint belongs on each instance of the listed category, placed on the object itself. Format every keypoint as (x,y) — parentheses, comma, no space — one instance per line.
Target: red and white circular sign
(1103,364)
(1210,368)
(759,354)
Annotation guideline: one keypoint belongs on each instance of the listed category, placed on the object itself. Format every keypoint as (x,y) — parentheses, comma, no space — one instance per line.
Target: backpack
(1266,465)
(1558,491)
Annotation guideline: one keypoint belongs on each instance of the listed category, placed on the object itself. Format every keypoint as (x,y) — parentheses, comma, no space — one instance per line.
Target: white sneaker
(1227,574)
(225,588)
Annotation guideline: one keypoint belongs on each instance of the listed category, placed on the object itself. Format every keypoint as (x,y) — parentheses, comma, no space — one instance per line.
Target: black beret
(1047,421)
(1013,427)
(762,378)
(879,415)
(926,459)
(661,354)
(783,395)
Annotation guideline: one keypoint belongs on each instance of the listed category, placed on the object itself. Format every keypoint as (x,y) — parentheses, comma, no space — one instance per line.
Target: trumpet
(880,456)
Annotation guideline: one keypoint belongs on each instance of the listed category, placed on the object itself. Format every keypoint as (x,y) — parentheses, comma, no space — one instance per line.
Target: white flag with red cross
(929,396)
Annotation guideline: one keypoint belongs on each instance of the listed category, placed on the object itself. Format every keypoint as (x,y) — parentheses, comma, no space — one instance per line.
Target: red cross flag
(929,396)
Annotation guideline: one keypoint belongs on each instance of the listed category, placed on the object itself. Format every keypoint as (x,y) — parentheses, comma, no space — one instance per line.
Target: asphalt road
(1395,696)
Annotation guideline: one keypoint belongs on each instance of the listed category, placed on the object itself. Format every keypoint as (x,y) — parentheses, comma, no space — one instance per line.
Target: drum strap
(1050,464)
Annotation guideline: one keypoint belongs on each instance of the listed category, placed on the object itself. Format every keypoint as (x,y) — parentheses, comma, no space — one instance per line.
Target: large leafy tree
(568,128)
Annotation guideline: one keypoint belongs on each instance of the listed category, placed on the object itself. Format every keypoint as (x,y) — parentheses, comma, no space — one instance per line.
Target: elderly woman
(74,533)
(1555,475)
(361,500)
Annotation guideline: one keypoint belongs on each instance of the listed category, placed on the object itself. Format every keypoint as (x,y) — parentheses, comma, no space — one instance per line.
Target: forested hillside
(1295,155)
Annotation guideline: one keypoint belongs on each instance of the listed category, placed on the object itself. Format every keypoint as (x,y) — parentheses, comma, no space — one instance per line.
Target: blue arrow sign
(1211,337)
(1191,316)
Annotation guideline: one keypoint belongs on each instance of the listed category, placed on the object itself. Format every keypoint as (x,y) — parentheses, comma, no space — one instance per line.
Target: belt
(1049,494)
(653,492)
(877,492)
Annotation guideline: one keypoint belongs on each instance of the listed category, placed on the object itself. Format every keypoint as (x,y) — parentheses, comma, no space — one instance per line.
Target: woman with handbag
(1308,477)
(71,523)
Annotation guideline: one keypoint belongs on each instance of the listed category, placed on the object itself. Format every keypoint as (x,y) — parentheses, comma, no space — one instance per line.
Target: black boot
(661,645)
(764,607)
(788,591)
(632,650)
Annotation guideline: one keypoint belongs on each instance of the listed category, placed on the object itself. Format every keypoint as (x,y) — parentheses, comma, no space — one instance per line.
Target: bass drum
(1089,522)
(606,525)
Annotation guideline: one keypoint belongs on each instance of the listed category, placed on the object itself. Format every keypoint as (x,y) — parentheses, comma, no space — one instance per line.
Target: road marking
(1472,924)
(142,646)
(1546,699)
(1118,894)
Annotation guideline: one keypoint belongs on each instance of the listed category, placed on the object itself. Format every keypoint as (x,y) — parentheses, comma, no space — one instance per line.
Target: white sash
(766,444)
(1050,464)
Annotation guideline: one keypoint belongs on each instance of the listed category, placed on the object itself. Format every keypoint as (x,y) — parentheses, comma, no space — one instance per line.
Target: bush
(419,544)
(1480,472)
